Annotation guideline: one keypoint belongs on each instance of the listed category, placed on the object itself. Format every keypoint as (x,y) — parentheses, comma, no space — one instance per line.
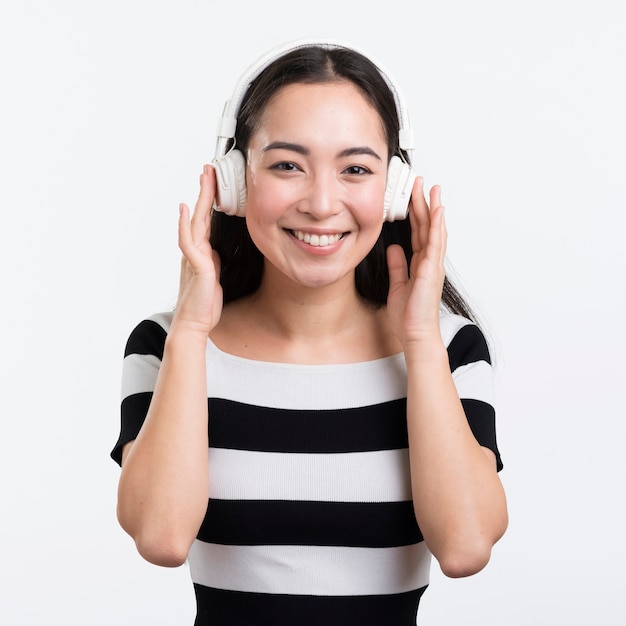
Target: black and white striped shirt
(310,518)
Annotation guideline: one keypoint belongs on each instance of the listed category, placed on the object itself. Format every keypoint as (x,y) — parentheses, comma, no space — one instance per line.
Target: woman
(349,431)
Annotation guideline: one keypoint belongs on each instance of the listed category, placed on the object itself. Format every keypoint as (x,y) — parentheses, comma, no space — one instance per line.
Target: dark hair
(241,261)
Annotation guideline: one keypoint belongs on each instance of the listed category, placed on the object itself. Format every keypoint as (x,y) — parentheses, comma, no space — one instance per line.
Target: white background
(108,111)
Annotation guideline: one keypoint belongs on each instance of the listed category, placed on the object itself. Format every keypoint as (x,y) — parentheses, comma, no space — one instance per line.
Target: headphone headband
(227,124)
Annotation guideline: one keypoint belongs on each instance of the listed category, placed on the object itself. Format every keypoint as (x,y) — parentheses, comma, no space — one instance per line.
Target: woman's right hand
(200,298)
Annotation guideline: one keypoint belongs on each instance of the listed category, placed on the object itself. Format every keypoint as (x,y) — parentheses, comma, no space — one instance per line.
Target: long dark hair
(242,263)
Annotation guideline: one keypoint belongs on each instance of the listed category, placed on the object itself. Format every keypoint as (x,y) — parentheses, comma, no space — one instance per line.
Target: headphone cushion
(400,179)
(231,194)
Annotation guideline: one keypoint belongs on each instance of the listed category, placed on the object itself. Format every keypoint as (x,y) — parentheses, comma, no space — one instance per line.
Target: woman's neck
(294,311)
(292,323)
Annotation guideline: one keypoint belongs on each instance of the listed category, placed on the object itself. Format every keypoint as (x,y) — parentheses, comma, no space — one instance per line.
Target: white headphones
(230,167)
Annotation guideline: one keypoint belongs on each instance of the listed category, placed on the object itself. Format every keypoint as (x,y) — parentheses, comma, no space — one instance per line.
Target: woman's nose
(322,197)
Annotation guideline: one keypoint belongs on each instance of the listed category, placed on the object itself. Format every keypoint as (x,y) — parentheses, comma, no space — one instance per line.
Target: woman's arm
(459,501)
(163,488)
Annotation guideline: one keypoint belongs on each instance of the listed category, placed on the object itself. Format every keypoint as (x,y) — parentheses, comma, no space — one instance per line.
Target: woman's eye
(285,166)
(356,170)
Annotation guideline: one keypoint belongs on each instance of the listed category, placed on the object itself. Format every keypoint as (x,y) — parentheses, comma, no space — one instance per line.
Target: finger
(397,267)
(444,235)
(438,235)
(184,228)
(201,219)
(417,185)
(192,254)
(420,217)
(435,197)
(435,204)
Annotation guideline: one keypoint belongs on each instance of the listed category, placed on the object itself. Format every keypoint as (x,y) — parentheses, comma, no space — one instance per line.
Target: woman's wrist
(185,337)
(425,349)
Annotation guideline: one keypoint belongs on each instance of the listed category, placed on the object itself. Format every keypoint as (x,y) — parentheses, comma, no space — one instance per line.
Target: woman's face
(316,175)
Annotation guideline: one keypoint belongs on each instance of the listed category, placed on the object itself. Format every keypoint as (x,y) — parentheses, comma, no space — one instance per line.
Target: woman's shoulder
(148,336)
(463,338)
(451,323)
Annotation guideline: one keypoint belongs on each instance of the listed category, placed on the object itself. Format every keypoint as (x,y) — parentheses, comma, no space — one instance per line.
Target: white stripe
(450,324)
(163,319)
(381,476)
(475,380)
(139,373)
(313,387)
(310,570)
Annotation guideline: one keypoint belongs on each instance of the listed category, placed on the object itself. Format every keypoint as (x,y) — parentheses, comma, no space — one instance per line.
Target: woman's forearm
(163,489)
(459,501)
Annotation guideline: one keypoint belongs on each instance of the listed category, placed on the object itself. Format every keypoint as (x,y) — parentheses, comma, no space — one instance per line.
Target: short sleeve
(142,360)
(472,372)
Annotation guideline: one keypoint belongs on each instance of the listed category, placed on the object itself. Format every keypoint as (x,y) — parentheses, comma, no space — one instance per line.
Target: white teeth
(317,240)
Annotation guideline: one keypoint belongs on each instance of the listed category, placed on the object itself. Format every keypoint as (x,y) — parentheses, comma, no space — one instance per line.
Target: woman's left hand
(414,300)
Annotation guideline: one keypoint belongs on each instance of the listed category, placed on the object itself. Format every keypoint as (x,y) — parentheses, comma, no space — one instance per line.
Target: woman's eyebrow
(285,145)
(358,150)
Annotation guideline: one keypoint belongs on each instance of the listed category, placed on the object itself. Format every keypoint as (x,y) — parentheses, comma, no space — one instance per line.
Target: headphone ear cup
(400,179)
(231,193)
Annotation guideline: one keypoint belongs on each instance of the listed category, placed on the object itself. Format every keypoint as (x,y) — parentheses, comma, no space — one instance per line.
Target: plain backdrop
(108,112)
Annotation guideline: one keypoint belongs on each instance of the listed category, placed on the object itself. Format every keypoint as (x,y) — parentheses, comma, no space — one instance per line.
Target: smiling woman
(314,421)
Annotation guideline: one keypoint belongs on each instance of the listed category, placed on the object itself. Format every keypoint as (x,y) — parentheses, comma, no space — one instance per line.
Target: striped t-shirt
(310,516)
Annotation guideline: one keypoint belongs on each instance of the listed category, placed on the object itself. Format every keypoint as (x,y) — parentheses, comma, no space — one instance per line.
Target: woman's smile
(316,240)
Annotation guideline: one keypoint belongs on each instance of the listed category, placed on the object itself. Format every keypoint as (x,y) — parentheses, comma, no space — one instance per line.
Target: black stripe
(467,346)
(148,337)
(280,522)
(133,411)
(482,420)
(219,607)
(247,427)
